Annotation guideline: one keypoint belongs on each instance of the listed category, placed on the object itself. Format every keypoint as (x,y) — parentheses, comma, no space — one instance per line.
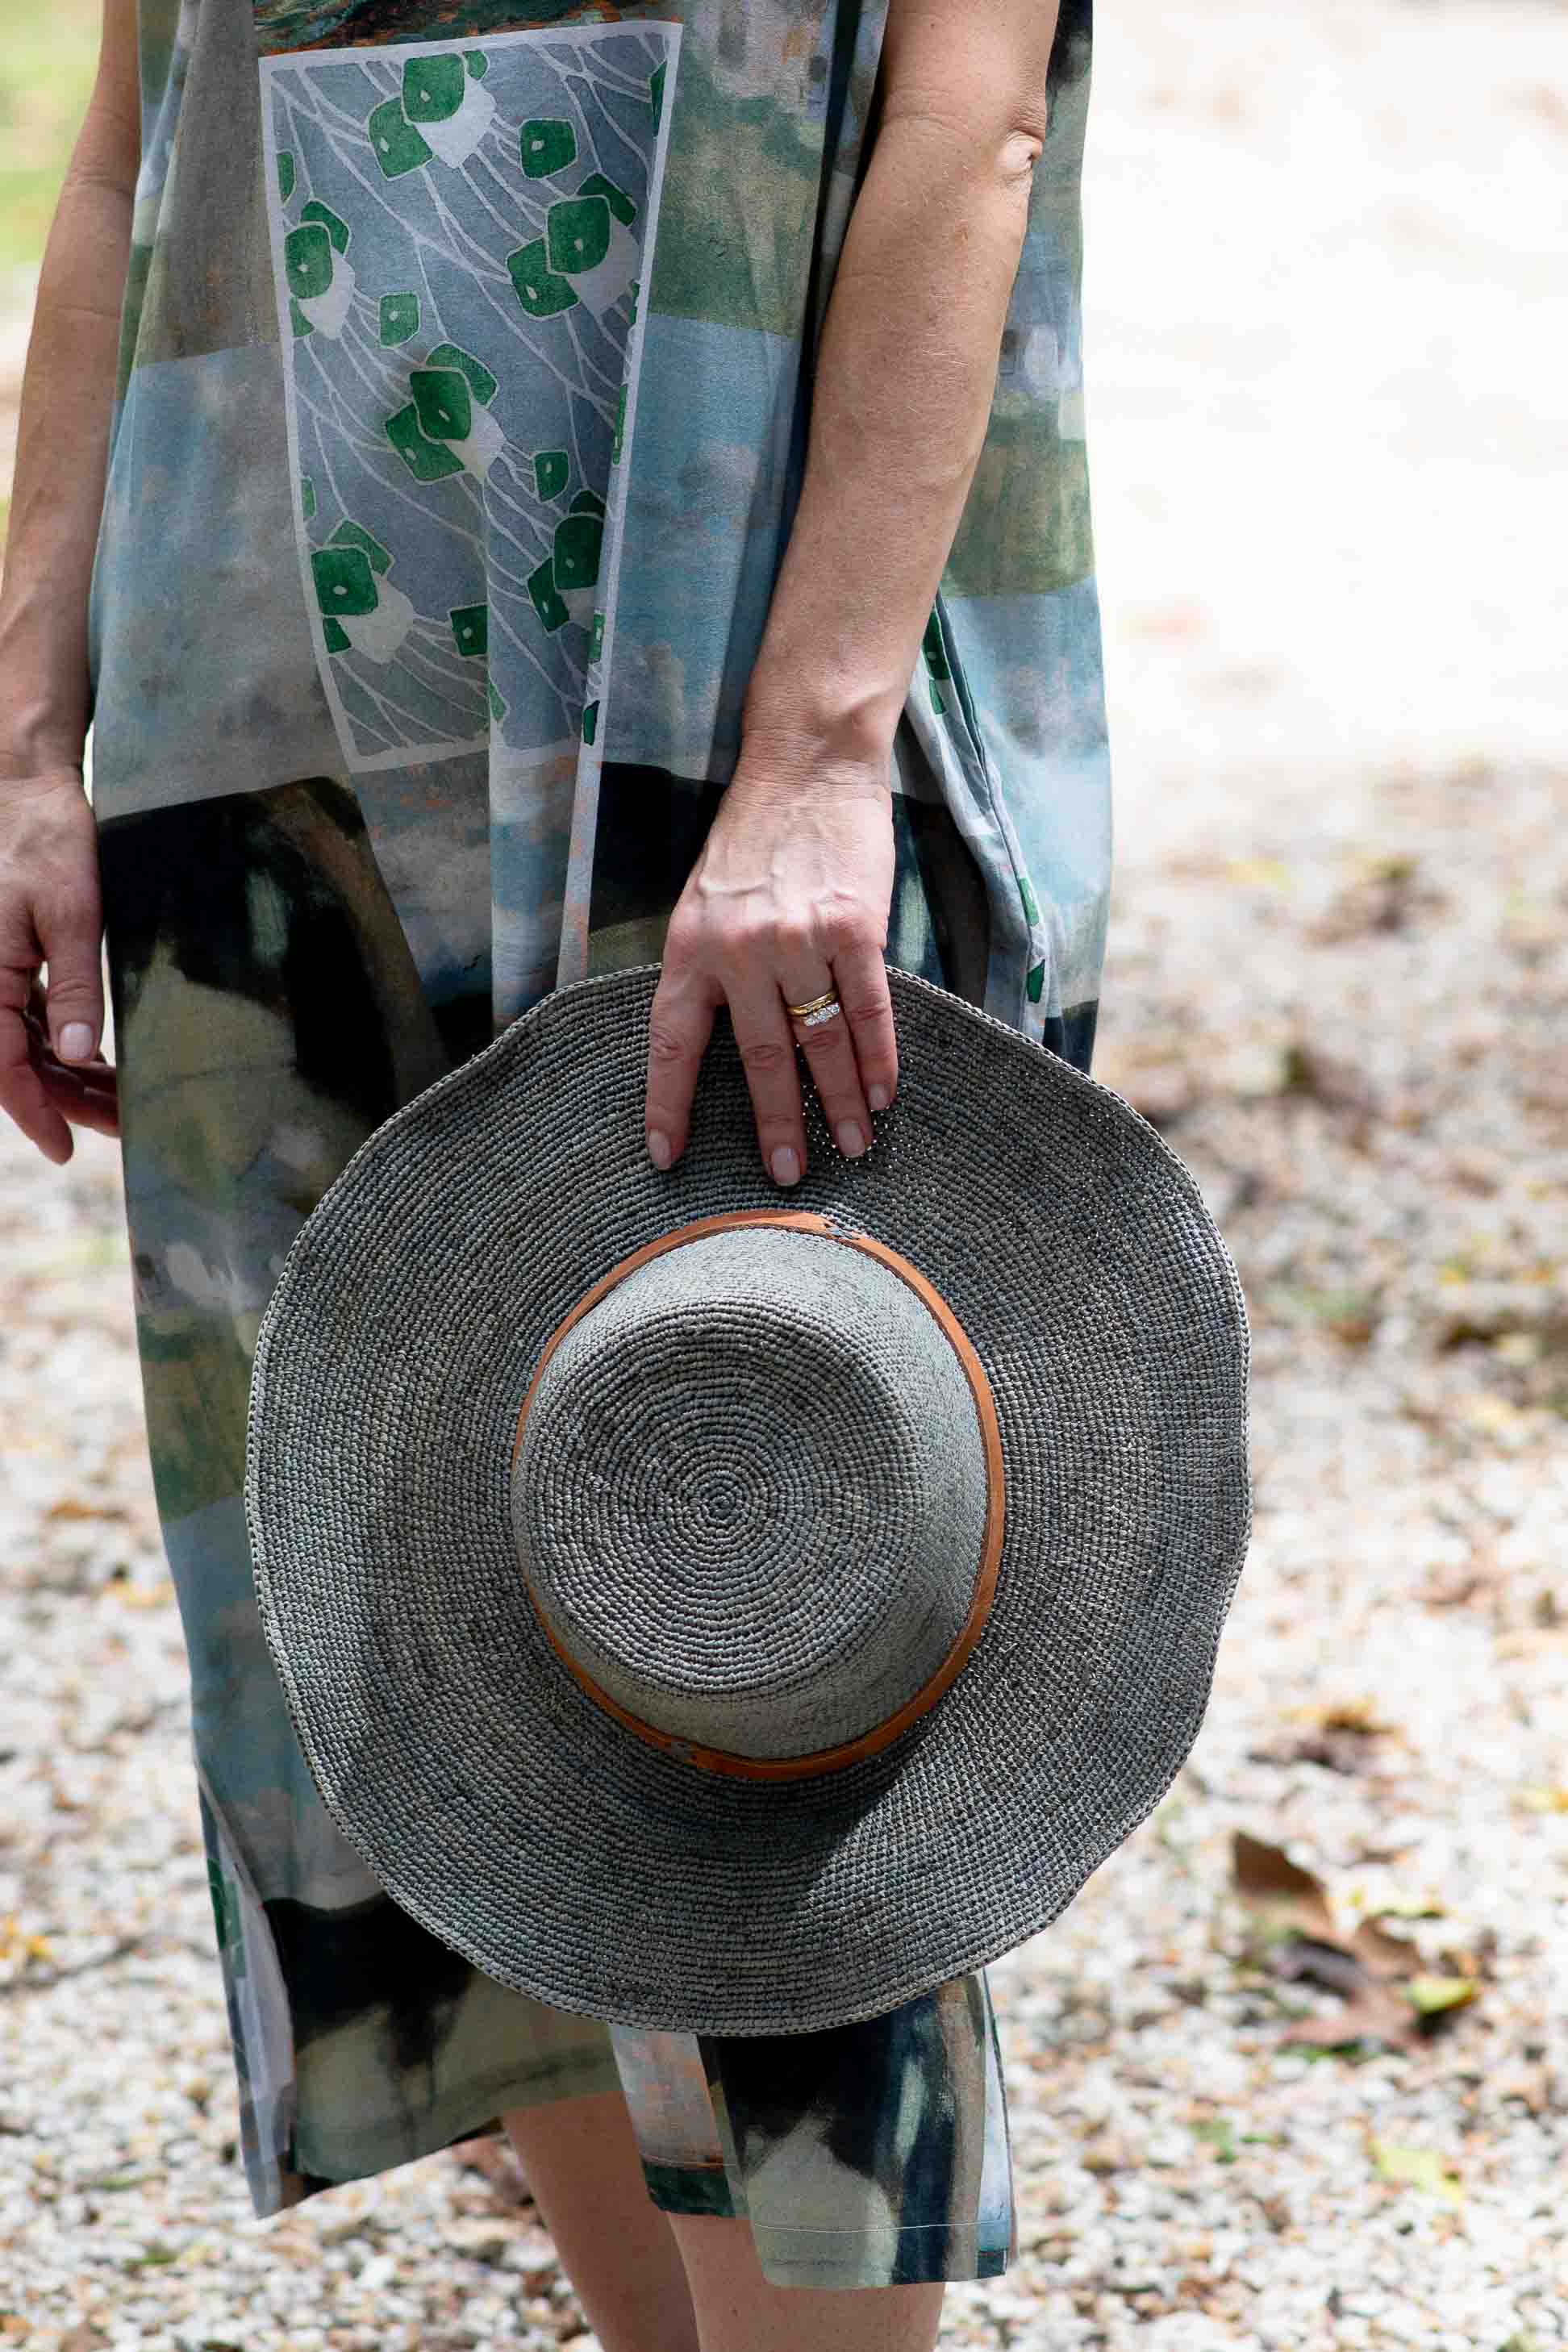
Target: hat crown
(751,1491)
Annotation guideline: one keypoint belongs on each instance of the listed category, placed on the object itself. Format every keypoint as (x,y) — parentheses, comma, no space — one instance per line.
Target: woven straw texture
(494,1799)
(751,1495)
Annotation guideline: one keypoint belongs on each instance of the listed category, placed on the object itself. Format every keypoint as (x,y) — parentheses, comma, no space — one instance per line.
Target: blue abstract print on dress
(458,236)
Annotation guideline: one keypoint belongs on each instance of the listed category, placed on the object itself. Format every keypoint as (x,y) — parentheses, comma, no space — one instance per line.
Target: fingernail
(878,1098)
(850,1141)
(785,1166)
(659,1148)
(76,1041)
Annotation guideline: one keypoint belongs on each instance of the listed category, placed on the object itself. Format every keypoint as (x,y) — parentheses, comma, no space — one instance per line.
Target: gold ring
(818,1004)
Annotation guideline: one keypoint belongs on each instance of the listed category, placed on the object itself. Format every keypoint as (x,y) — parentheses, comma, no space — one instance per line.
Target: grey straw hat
(733,1612)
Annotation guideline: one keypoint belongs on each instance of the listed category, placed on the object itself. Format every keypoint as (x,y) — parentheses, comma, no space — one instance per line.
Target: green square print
(577,234)
(474,373)
(577,556)
(540,291)
(396,144)
(345,581)
(399,316)
(433,88)
(427,461)
(471,630)
(546,145)
(551,468)
(308,261)
(545,597)
(441,400)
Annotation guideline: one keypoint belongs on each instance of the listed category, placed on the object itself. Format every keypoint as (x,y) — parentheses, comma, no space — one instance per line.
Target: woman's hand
(52,1075)
(788,902)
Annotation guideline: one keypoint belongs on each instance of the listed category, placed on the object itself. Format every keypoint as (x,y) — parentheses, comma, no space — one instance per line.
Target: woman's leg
(617,2247)
(652,2282)
(738,2311)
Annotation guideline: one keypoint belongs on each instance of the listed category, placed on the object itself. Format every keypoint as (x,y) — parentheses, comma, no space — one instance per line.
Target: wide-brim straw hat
(725,1611)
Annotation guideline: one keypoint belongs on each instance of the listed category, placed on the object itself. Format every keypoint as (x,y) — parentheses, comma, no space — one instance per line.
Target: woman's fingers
(50,914)
(44,1096)
(787,902)
(852,1058)
(23,1096)
(829,1050)
(70,933)
(766,1048)
(87,1097)
(680,1021)
(862,982)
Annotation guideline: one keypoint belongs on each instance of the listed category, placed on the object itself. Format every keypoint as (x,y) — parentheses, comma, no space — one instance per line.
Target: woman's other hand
(787,901)
(52,1074)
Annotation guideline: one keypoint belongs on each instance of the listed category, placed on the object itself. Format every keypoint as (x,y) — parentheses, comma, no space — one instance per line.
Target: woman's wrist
(812,738)
(39,746)
(44,684)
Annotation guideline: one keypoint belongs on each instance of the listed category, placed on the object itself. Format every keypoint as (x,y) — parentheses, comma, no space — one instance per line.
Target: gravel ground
(1293,2070)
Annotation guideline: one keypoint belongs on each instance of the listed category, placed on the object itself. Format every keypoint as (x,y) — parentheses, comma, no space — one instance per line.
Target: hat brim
(493,1799)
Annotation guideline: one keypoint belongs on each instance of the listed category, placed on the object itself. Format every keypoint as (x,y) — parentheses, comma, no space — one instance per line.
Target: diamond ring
(818,1009)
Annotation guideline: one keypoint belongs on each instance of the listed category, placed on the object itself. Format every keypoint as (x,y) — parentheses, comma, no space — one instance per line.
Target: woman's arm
(791,895)
(49,904)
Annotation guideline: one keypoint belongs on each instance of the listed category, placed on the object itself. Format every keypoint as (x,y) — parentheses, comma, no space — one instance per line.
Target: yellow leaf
(1267,872)
(1401,1905)
(14,1941)
(1492,1415)
(1417,2167)
(1430,1994)
(1541,1800)
(142,1596)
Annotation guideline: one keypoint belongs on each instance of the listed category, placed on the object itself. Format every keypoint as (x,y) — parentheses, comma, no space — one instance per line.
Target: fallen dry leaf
(1340,1751)
(74,1507)
(17,1944)
(1390,1995)
(1259,873)
(1382,1953)
(1431,1996)
(1417,2167)
(1306,1069)
(1269,1882)
(1384,898)
(1531,1799)
(1341,1737)
(1376,2012)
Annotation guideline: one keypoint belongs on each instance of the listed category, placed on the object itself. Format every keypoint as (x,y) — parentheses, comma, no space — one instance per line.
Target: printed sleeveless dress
(466,378)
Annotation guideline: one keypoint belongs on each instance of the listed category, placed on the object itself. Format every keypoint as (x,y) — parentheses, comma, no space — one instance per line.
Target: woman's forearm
(904,383)
(68,396)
